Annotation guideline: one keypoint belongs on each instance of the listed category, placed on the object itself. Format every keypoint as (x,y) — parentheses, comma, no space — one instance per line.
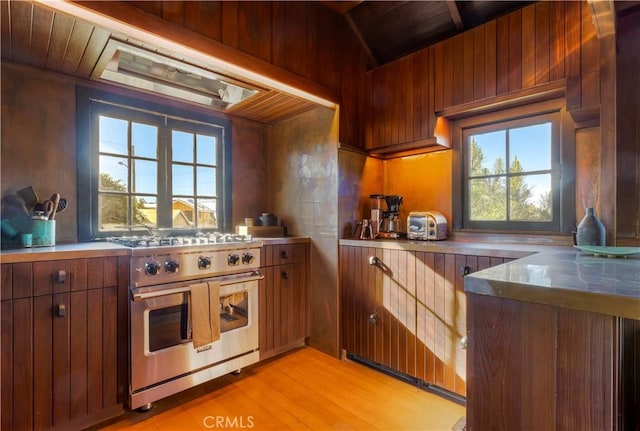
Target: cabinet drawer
(282,254)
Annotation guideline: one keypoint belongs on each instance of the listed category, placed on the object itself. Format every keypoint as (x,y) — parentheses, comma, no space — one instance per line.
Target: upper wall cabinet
(401,115)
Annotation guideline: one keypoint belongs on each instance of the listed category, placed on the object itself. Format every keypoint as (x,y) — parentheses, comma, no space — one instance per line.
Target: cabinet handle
(284,254)
(373,318)
(463,342)
(61,277)
(61,310)
(374,261)
(285,275)
(464,270)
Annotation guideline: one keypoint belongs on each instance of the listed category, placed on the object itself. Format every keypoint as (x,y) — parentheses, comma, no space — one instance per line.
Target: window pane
(182,146)
(112,212)
(207,213)
(113,135)
(145,211)
(531,146)
(206,181)
(488,153)
(182,180)
(530,198)
(145,179)
(183,212)
(114,174)
(144,140)
(488,199)
(206,149)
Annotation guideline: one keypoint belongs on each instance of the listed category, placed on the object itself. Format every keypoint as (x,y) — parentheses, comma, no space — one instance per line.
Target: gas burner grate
(158,241)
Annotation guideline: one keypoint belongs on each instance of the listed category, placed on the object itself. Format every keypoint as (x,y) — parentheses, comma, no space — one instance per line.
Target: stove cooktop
(164,241)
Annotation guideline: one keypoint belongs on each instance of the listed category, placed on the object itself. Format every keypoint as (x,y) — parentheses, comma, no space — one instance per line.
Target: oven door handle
(137,295)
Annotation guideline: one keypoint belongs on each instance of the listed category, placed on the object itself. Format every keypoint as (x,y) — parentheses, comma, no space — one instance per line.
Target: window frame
(91,103)
(563,161)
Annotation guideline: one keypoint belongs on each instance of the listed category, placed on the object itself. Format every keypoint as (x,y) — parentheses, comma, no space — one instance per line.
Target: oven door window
(234,311)
(168,327)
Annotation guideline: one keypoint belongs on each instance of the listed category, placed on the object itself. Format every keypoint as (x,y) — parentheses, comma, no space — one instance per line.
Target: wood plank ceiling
(393,29)
(36,36)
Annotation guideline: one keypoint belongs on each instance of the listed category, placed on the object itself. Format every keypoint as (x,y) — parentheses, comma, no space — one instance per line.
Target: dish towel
(204,309)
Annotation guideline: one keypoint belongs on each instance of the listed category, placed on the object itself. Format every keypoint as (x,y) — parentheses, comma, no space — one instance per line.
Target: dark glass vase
(591,230)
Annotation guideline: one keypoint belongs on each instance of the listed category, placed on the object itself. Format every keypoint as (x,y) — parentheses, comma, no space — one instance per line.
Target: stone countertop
(284,240)
(96,249)
(566,278)
(64,251)
(492,249)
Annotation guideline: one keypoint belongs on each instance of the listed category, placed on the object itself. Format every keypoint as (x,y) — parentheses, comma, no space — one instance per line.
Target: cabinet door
(283,308)
(401,103)
(539,367)
(60,352)
(279,254)
(289,281)
(17,364)
(378,306)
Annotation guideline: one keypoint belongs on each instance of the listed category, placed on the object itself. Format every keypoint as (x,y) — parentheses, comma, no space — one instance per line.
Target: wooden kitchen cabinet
(401,115)
(406,311)
(283,298)
(540,367)
(61,365)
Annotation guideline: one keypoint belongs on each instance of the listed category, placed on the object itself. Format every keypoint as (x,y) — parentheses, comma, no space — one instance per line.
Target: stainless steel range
(165,272)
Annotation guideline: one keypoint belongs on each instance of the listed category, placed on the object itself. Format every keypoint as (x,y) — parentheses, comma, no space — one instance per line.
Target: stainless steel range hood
(151,71)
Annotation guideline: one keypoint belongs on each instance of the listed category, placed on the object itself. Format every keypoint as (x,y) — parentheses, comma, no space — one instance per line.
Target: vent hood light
(150,71)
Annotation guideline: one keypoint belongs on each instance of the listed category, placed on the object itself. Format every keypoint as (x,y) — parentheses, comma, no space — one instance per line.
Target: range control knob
(151,268)
(204,262)
(247,258)
(171,266)
(233,259)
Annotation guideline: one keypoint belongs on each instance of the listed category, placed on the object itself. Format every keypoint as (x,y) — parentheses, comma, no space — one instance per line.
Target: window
(148,168)
(510,173)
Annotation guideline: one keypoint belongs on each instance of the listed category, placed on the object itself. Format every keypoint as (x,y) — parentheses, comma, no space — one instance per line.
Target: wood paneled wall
(628,130)
(538,44)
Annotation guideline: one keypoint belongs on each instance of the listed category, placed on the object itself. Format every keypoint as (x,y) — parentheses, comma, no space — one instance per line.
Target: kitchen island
(552,343)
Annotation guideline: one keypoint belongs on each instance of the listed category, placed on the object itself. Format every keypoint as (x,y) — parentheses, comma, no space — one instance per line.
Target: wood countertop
(566,278)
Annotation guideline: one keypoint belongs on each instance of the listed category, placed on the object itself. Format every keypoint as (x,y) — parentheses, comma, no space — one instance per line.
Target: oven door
(161,347)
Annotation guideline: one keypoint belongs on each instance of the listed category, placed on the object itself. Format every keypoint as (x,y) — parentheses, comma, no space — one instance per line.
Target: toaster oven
(426,225)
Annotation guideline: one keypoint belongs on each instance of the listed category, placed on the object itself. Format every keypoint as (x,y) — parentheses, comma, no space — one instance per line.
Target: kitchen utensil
(29,196)
(48,207)
(43,208)
(62,205)
(55,200)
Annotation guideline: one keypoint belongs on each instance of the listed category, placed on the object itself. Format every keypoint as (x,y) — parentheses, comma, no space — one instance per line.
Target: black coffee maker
(391,226)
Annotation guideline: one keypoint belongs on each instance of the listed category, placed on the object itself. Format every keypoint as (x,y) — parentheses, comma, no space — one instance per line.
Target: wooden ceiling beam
(455,14)
(341,6)
(603,17)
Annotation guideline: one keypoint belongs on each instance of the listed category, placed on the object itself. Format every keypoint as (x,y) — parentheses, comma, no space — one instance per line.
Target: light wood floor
(303,390)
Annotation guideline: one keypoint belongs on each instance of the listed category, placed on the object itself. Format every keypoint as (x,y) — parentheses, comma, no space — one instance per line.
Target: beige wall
(303,191)
(39,138)
(39,146)
(424,182)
